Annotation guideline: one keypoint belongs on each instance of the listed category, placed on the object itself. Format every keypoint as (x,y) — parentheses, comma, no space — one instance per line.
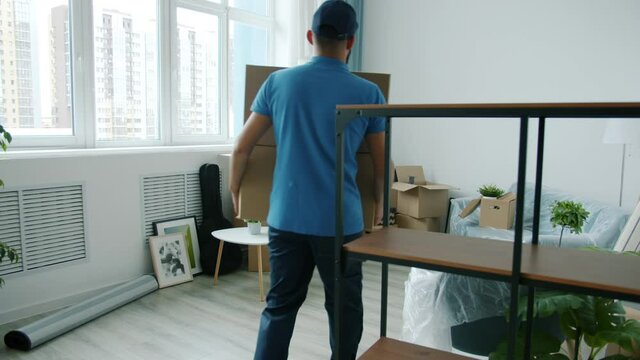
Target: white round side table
(240,235)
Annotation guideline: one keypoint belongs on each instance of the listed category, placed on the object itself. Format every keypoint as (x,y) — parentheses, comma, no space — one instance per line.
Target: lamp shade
(622,131)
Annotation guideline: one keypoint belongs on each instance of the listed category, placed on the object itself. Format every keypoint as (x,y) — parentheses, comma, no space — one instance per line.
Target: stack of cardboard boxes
(258,177)
(420,204)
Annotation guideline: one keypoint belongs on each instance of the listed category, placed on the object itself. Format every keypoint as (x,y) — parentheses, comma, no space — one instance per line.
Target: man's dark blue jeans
(292,259)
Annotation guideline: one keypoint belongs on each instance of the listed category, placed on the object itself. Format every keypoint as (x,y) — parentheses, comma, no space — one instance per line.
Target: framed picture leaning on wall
(187,227)
(170,259)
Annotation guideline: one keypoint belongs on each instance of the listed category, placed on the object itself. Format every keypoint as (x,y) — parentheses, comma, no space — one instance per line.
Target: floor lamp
(624,132)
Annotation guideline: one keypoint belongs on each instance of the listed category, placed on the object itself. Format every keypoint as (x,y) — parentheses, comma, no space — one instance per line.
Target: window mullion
(167,40)
(83,97)
(224,74)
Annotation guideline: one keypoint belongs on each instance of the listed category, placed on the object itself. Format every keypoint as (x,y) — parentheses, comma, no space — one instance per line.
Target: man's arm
(253,129)
(375,142)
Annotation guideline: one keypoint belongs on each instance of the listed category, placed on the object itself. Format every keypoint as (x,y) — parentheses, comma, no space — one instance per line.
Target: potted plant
(568,214)
(491,191)
(253,226)
(592,321)
(5,250)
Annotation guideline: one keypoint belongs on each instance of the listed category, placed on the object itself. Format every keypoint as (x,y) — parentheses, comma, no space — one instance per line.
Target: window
(151,72)
(247,45)
(35,41)
(125,70)
(198,58)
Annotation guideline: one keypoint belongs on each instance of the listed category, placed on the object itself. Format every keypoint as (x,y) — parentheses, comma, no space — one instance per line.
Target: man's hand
(379,212)
(375,142)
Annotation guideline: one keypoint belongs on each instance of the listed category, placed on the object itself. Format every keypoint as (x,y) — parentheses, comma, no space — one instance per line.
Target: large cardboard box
(417,197)
(256,75)
(408,222)
(496,213)
(255,188)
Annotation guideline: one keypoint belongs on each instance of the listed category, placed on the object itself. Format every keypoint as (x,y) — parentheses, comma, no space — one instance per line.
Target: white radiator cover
(167,197)
(46,225)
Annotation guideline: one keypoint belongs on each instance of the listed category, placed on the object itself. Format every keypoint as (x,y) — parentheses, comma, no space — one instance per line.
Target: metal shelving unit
(515,263)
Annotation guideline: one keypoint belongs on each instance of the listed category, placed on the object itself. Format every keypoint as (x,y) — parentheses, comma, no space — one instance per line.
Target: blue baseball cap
(335,19)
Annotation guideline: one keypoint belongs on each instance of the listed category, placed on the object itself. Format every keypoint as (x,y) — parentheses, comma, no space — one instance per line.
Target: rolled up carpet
(47,328)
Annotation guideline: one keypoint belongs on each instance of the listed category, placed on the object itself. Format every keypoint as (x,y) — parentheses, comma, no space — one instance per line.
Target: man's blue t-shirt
(301,102)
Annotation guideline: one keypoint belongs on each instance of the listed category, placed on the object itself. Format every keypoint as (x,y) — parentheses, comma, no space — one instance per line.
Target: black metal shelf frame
(523,112)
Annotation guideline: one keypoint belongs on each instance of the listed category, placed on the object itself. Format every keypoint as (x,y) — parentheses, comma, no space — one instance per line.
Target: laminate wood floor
(195,321)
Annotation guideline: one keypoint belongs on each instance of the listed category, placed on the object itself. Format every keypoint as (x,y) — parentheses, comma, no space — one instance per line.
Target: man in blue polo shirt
(299,103)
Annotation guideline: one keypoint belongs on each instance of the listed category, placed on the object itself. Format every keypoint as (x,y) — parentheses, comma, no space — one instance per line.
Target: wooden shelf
(390,349)
(581,269)
(453,253)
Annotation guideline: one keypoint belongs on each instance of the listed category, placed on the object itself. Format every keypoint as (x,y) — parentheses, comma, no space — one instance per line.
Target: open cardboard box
(417,197)
(497,213)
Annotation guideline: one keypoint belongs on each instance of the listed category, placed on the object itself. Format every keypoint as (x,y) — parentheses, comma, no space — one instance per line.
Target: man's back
(301,102)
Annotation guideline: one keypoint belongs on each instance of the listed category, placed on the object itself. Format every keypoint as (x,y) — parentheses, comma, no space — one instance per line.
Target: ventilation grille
(169,197)
(45,226)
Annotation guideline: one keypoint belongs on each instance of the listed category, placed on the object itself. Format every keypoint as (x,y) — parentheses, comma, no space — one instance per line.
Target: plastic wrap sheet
(436,301)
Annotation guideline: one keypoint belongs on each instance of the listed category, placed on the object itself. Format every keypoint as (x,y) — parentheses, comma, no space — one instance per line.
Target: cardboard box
(496,213)
(255,188)
(256,184)
(417,197)
(256,75)
(252,258)
(408,222)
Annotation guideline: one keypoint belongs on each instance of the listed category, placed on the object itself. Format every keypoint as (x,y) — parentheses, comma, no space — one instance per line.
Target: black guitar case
(212,219)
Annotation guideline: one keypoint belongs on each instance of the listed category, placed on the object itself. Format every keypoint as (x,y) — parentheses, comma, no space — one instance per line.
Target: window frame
(83,102)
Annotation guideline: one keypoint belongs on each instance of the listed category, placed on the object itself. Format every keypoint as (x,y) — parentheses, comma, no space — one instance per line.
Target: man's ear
(310,36)
(350,42)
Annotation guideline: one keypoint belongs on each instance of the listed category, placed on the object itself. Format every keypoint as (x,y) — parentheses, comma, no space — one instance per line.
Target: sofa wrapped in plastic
(434,301)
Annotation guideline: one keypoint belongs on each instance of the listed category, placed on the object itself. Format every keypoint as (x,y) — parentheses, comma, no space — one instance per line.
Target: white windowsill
(62,153)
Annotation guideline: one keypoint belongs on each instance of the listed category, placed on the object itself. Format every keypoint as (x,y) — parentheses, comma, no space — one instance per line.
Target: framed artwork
(187,227)
(170,259)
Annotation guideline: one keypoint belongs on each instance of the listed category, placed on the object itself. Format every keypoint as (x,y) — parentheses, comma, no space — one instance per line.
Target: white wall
(442,51)
(115,239)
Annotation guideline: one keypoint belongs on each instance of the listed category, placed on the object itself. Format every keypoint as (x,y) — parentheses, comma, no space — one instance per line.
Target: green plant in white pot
(254,226)
(5,250)
(568,214)
(491,190)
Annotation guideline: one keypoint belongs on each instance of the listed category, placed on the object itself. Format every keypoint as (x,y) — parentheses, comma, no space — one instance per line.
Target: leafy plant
(5,250)
(10,254)
(592,320)
(568,214)
(491,190)
(5,139)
